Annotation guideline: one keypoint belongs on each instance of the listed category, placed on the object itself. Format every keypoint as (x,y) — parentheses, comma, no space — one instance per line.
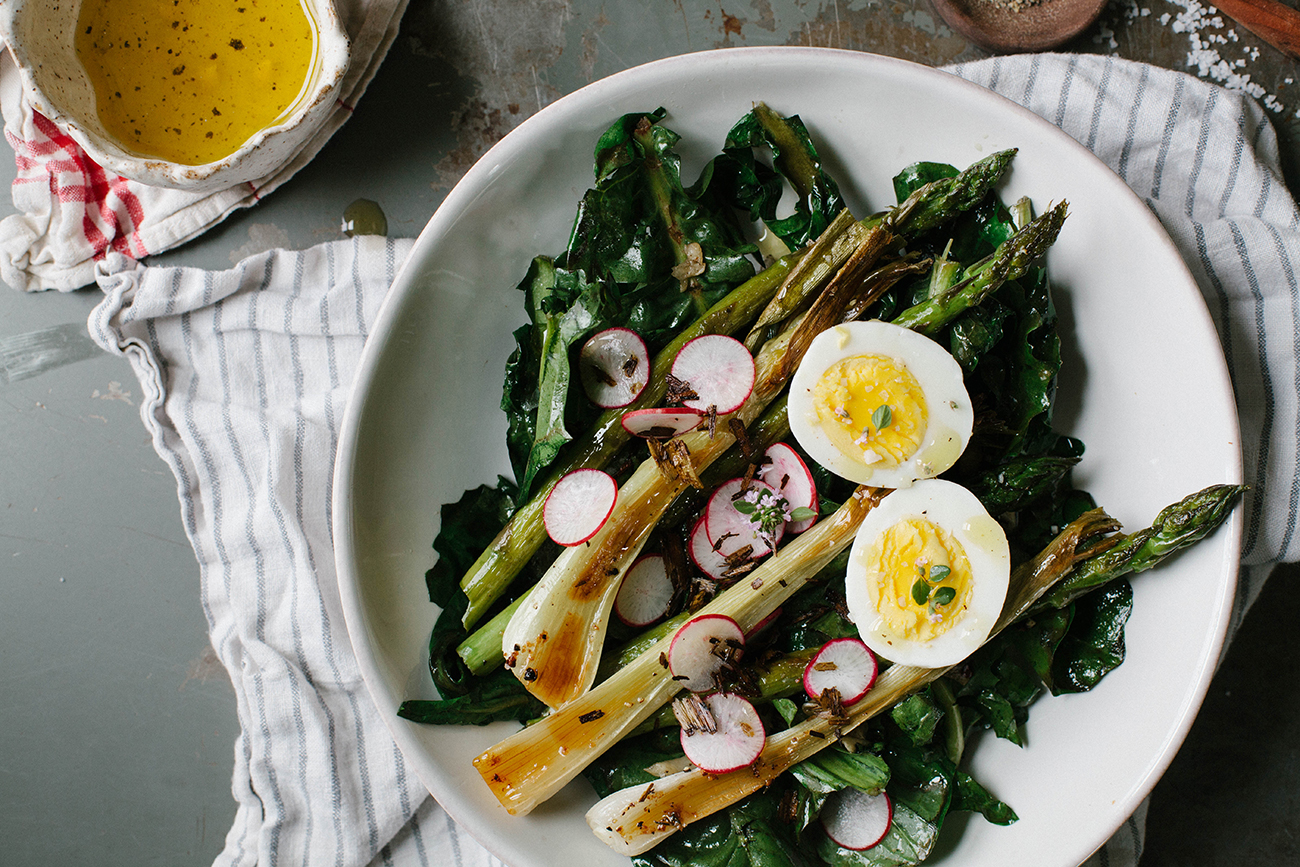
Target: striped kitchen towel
(1205,160)
(71,212)
(244,375)
(246,372)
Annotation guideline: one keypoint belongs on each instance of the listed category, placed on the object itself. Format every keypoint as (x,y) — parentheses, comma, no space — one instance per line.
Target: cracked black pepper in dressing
(190,81)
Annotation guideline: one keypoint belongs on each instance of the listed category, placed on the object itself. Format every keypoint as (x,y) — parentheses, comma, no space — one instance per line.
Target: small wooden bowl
(1034,28)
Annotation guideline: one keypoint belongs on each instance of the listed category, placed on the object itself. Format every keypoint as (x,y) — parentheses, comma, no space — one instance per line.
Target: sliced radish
(844,664)
(662,423)
(719,369)
(787,472)
(731,735)
(734,529)
(646,592)
(614,365)
(761,626)
(579,505)
(857,820)
(701,647)
(706,557)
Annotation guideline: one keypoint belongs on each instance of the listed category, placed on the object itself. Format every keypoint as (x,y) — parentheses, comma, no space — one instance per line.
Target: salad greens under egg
(759,539)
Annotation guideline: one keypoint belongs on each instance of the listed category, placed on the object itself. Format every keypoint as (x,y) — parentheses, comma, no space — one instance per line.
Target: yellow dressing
(983,531)
(848,398)
(904,554)
(945,448)
(190,81)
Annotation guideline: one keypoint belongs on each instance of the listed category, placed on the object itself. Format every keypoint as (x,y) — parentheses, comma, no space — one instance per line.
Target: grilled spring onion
(927,208)
(536,762)
(637,818)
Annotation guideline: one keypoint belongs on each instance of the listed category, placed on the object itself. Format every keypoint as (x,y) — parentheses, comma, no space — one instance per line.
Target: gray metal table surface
(118,723)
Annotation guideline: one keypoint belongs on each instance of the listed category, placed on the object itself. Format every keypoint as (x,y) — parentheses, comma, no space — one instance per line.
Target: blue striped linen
(246,373)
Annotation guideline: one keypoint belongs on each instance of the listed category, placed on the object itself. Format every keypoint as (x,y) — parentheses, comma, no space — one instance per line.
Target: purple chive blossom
(766,512)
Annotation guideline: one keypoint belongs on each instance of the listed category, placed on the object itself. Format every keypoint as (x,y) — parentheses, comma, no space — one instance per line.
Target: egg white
(950,415)
(960,513)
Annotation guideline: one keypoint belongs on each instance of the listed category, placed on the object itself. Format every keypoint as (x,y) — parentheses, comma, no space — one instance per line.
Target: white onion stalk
(533,764)
(635,819)
(552,642)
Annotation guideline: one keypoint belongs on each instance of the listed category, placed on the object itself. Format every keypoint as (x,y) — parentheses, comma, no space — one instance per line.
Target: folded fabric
(244,375)
(1205,160)
(71,212)
(246,372)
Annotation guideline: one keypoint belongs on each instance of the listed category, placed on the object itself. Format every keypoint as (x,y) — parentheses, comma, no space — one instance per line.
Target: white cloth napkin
(246,373)
(73,212)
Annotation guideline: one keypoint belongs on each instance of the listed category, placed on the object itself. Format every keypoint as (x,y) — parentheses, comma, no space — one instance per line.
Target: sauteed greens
(726,255)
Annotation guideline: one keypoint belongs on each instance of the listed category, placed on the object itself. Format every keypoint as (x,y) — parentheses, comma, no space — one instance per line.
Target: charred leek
(635,819)
(535,763)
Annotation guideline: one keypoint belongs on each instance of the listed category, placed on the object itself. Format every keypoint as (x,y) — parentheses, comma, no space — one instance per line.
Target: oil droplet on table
(364,217)
(190,81)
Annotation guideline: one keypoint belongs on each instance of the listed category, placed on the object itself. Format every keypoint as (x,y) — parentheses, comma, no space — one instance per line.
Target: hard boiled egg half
(927,575)
(879,404)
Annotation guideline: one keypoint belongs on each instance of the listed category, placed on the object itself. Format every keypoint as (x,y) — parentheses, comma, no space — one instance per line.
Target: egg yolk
(872,409)
(918,579)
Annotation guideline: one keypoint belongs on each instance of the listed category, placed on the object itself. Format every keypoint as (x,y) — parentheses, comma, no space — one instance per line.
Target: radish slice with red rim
(704,555)
(579,505)
(661,423)
(614,366)
(720,732)
(763,625)
(703,646)
(646,592)
(789,475)
(843,664)
(711,557)
(857,820)
(719,369)
(725,522)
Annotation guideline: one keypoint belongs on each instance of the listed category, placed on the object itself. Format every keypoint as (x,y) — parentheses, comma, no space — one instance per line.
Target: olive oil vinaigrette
(189,81)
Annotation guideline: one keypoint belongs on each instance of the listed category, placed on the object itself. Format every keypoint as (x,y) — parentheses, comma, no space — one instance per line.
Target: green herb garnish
(920,592)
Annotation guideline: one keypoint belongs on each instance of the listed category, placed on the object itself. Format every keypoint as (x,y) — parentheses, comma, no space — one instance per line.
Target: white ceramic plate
(1148,394)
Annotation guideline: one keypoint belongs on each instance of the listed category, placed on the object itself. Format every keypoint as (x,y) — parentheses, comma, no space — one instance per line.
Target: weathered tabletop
(118,725)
